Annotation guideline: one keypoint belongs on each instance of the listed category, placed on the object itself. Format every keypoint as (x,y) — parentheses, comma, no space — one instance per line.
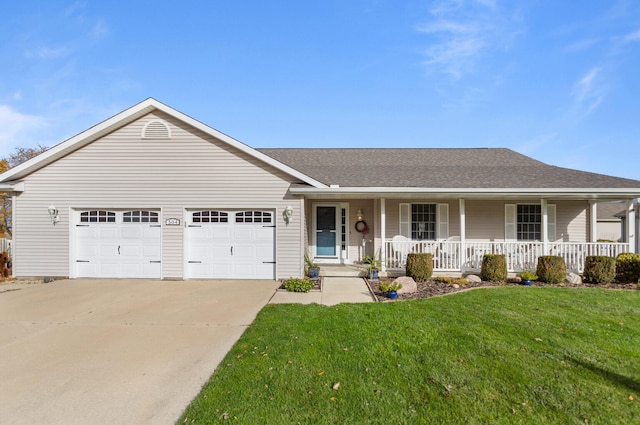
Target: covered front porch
(459,231)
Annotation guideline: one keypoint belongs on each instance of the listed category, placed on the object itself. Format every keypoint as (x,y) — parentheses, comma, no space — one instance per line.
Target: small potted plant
(527,277)
(311,269)
(390,288)
(374,265)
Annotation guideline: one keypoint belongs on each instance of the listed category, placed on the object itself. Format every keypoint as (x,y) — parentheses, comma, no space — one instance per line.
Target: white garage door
(118,244)
(231,245)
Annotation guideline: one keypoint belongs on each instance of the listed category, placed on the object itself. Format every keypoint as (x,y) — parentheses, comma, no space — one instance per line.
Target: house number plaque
(172,222)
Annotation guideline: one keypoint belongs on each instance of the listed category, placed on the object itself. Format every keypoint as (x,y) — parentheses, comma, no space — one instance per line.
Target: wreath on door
(361,226)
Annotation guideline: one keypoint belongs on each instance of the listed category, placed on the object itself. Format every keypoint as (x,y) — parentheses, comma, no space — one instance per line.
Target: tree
(17,157)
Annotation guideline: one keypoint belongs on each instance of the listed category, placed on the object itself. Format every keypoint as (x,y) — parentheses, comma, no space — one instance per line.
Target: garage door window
(253,217)
(210,217)
(140,217)
(98,216)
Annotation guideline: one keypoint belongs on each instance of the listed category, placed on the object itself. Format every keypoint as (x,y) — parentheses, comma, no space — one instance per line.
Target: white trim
(336,259)
(383,232)
(442,221)
(593,216)
(544,225)
(437,192)
(129,115)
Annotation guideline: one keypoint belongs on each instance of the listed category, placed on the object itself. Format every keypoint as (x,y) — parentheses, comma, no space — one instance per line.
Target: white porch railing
(467,256)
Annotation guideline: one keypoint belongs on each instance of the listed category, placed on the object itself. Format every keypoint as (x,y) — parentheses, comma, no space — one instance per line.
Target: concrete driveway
(116,351)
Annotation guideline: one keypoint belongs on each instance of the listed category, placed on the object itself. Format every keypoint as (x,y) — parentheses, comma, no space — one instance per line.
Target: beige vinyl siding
(486,219)
(572,221)
(191,170)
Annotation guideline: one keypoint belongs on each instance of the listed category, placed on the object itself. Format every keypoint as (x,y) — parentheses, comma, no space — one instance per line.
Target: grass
(489,356)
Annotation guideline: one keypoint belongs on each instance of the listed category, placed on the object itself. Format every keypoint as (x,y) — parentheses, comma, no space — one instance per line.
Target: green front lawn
(496,356)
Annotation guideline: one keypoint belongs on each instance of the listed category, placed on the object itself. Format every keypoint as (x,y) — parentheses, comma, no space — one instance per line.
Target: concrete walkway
(335,290)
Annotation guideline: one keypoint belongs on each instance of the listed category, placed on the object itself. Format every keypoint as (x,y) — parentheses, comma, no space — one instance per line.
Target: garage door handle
(118,249)
(155,261)
(82,261)
(231,251)
(195,262)
(268,262)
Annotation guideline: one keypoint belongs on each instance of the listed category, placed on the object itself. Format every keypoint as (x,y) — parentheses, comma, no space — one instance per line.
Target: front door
(326,232)
(330,232)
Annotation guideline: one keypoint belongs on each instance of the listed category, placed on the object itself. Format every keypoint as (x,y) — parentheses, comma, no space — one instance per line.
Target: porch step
(343,270)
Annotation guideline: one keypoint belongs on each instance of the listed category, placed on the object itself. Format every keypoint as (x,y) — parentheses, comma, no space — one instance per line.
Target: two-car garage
(218,244)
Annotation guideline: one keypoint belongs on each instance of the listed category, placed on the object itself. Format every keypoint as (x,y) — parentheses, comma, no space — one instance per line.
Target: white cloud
(100,30)
(631,37)
(17,129)
(463,31)
(47,52)
(589,91)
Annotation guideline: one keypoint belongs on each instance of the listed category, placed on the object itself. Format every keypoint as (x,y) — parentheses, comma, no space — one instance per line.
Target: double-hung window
(523,222)
(424,221)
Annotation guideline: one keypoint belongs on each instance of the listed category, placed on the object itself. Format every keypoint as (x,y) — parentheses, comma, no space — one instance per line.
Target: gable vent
(156,130)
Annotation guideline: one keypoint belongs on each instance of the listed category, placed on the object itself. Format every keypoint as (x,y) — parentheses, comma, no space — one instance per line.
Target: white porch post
(631,224)
(383,233)
(463,235)
(593,215)
(545,228)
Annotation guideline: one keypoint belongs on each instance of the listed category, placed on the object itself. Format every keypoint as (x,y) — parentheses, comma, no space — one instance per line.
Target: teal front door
(326,232)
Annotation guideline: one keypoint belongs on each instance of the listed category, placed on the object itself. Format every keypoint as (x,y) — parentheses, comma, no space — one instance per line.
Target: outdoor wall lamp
(53,213)
(288,214)
(359,214)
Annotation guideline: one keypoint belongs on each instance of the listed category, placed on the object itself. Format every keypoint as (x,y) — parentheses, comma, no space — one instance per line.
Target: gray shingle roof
(610,210)
(438,168)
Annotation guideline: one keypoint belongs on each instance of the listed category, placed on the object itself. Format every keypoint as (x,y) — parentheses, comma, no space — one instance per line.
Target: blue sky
(546,78)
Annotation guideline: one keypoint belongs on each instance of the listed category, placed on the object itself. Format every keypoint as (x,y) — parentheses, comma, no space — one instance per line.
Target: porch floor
(343,270)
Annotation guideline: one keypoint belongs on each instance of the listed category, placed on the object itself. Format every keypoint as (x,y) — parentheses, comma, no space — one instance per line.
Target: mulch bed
(317,284)
(434,288)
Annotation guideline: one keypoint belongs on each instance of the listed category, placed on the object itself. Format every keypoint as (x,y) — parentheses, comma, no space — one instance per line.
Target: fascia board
(12,187)
(471,192)
(120,119)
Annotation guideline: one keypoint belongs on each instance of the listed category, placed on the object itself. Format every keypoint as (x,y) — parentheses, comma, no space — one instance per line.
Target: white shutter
(405,220)
(442,218)
(551,222)
(510,222)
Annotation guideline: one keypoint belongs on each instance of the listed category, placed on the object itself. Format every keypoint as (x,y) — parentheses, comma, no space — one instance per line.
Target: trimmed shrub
(551,269)
(628,267)
(419,266)
(494,268)
(298,285)
(599,269)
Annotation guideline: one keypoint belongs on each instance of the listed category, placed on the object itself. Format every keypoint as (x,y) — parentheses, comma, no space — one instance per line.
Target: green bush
(628,267)
(298,285)
(551,269)
(599,269)
(419,266)
(494,268)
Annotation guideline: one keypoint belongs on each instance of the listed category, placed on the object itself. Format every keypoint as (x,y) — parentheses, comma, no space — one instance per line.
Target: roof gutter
(12,187)
(610,193)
